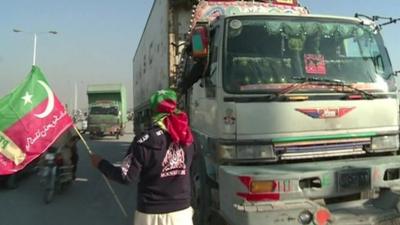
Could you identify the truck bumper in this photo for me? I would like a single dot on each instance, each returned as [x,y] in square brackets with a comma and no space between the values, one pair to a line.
[376,182]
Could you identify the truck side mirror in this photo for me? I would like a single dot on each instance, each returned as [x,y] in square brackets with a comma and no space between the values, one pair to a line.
[200,42]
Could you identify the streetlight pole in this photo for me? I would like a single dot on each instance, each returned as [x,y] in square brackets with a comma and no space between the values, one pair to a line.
[34,48]
[35,40]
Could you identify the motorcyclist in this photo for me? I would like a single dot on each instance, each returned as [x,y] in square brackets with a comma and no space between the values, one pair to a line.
[70,154]
[66,145]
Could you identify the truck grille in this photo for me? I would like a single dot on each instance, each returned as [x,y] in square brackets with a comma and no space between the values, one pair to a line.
[322,148]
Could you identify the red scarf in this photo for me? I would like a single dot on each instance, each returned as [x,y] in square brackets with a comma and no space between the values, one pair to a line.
[175,122]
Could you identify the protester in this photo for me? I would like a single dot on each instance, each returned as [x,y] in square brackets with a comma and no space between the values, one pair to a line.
[66,145]
[71,147]
[160,161]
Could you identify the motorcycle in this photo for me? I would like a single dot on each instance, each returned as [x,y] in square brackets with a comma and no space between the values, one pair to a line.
[56,174]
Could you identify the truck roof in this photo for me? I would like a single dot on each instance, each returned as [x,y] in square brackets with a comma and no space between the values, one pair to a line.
[323,16]
[105,88]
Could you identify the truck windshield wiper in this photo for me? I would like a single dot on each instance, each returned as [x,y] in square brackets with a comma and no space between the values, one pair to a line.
[322,81]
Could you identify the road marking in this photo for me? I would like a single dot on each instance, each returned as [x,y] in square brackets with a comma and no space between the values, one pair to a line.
[81,179]
[117,164]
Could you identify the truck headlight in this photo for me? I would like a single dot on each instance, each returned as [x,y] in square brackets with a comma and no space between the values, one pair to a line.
[245,152]
[385,143]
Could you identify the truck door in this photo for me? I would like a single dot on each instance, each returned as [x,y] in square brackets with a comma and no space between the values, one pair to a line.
[204,96]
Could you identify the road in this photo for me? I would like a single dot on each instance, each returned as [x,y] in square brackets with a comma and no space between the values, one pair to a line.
[83,203]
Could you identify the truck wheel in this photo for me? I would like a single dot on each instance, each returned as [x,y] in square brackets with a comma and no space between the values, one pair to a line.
[201,197]
[205,213]
[216,219]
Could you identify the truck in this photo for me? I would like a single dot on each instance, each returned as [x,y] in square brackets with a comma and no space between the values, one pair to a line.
[295,115]
[107,110]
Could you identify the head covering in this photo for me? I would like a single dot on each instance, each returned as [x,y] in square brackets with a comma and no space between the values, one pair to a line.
[169,118]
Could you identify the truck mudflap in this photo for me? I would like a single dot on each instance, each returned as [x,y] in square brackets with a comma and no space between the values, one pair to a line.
[362,191]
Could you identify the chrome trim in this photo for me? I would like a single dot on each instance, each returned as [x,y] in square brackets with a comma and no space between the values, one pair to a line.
[323,154]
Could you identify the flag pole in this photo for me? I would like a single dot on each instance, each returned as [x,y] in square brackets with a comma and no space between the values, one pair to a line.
[34,48]
[104,177]
[83,140]
[115,196]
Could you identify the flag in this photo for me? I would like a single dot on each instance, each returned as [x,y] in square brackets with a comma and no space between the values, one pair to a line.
[31,119]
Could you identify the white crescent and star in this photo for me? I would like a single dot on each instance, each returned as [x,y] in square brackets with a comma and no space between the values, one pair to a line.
[50,102]
[162,92]
[27,98]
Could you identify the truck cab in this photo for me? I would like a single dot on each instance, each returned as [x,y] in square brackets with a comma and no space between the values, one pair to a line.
[107,110]
[295,115]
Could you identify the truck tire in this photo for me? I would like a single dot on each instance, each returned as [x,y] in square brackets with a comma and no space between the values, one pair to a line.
[201,197]
[216,219]
[205,212]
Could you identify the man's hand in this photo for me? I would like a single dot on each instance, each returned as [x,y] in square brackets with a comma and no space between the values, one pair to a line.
[95,160]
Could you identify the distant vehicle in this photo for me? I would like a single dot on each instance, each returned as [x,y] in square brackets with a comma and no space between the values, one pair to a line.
[107,110]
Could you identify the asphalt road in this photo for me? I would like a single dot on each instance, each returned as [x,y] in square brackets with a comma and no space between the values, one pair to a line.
[85,202]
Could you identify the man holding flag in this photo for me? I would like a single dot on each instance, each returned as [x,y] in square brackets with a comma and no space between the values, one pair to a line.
[31,119]
[160,159]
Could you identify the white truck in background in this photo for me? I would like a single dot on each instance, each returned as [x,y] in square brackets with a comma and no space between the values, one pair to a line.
[295,115]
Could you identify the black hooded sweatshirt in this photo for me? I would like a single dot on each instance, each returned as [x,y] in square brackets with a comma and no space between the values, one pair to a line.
[162,169]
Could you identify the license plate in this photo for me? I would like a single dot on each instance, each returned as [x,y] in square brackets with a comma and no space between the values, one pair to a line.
[354,179]
[49,156]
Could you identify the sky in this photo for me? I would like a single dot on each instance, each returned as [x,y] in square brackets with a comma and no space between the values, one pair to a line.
[95,44]
[97,39]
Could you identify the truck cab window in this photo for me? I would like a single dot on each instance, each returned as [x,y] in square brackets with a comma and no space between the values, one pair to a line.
[284,48]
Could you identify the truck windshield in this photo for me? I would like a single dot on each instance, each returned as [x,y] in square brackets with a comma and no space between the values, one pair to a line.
[101,110]
[269,54]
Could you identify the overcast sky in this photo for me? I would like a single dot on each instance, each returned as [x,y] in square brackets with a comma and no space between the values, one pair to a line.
[97,39]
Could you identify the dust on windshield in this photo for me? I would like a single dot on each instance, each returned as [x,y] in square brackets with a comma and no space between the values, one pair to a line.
[264,54]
